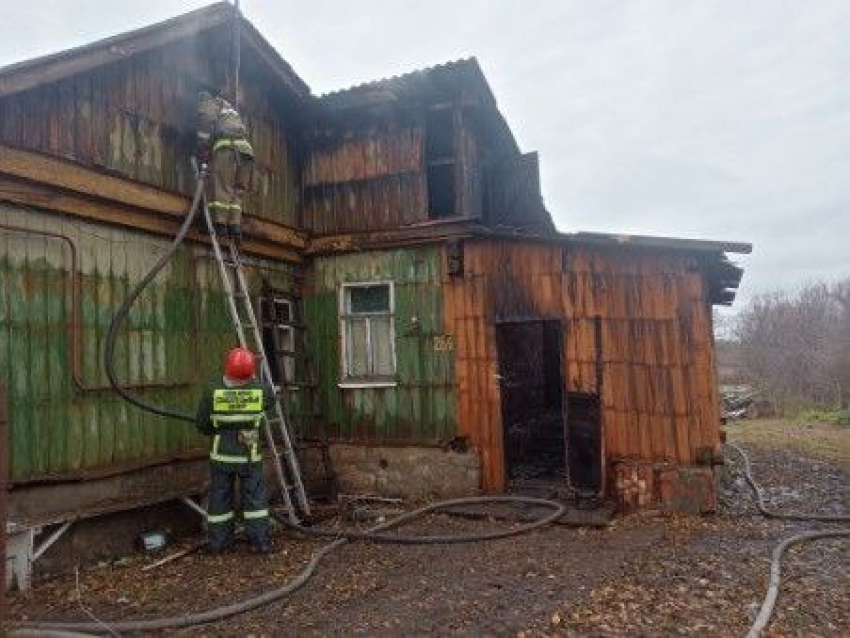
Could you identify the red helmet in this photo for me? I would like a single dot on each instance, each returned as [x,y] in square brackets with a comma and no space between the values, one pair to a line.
[239,365]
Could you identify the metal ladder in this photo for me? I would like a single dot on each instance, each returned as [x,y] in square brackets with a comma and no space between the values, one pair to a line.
[301,377]
[248,331]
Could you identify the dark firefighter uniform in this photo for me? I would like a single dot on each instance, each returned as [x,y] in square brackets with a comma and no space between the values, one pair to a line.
[222,141]
[232,415]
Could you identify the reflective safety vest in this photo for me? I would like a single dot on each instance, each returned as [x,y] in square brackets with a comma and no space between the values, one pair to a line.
[236,416]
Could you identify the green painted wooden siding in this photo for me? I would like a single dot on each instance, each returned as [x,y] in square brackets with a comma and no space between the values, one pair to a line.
[177,334]
[422,407]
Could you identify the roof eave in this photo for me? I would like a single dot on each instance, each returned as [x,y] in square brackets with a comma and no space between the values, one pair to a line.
[650,241]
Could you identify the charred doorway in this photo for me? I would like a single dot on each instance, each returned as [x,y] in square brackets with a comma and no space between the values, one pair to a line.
[584,444]
[532,390]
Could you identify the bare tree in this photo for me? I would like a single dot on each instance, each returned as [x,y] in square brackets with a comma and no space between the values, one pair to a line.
[797,348]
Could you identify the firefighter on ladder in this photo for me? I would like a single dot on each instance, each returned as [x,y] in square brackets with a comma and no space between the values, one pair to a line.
[223,145]
[231,412]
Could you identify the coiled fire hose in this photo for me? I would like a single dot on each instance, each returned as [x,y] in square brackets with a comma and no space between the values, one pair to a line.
[766,611]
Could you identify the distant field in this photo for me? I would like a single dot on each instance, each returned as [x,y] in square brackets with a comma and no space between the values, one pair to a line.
[824,440]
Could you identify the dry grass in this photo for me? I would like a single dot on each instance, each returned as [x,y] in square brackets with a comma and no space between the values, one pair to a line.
[823,440]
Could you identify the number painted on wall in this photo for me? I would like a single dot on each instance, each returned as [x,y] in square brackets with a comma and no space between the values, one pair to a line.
[444,343]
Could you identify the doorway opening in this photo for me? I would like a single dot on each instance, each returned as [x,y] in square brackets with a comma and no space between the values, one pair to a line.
[532,401]
[584,443]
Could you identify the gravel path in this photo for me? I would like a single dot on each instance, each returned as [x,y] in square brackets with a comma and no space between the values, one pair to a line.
[643,575]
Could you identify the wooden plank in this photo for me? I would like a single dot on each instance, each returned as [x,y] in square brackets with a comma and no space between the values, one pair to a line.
[29,194]
[58,173]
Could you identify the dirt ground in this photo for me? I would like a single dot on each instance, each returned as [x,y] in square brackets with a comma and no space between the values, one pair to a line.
[642,575]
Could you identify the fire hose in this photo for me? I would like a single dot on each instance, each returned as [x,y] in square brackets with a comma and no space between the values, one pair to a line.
[375,534]
[378,533]
[768,604]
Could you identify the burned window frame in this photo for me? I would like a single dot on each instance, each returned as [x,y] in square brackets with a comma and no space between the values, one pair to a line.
[282,366]
[346,321]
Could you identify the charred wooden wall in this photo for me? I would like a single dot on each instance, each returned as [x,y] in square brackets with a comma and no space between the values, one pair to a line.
[135,118]
[658,393]
[365,177]
[372,171]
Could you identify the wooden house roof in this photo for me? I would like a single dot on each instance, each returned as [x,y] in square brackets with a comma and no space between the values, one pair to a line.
[24,75]
[461,79]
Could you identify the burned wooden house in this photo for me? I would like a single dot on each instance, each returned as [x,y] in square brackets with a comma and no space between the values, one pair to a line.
[447,338]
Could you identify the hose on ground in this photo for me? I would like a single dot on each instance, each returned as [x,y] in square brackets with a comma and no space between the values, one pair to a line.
[121,314]
[220,613]
[558,510]
[766,611]
[769,513]
[775,581]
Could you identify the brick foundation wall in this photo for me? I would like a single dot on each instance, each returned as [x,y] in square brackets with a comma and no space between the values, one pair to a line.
[670,488]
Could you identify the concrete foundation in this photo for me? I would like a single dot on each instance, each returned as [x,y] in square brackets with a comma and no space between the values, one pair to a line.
[414,473]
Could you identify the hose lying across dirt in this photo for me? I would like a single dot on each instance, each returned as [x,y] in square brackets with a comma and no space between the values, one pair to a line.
[373,534]
[767,606]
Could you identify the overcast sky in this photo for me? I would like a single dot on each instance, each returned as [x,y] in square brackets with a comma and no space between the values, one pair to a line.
[706,119]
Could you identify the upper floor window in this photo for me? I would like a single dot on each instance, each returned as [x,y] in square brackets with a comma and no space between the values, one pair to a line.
[441,159]
[368,334]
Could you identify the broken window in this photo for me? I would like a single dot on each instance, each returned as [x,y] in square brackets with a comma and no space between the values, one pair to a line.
[277,318]
[441,159]
[368,338]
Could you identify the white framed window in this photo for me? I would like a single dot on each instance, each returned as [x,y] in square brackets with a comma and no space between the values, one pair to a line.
[366,312]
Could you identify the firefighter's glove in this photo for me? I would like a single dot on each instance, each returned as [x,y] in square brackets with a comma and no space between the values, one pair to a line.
[249,437]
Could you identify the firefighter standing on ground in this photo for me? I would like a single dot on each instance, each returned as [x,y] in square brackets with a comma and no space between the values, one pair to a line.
[223,144]
[231,411]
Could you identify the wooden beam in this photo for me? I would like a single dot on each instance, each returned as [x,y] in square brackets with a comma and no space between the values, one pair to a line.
[46,503]
[49,198]
[69,176]
[424,232]
[52,171]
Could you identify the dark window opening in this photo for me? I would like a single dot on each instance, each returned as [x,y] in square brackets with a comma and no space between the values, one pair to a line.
[440,135]
[440,157]
[441,190]
[278,334]
[584,442]
[532,401]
